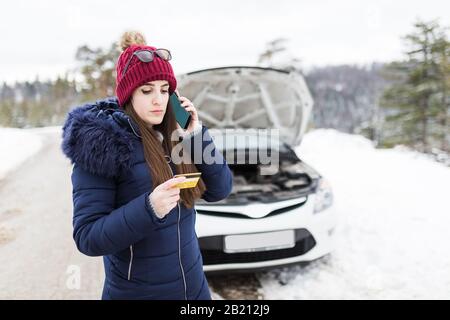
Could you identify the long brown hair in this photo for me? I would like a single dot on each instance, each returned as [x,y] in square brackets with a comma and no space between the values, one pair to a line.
[154,152]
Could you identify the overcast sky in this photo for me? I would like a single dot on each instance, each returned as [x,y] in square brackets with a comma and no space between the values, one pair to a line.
[41,37]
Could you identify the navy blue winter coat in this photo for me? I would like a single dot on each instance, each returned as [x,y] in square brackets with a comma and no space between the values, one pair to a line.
[144,257]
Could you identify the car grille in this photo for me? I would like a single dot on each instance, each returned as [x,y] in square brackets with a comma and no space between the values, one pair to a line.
[236,215]
[212,250]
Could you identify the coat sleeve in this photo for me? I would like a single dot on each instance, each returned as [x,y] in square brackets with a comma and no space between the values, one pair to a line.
[209,161]
[98,227]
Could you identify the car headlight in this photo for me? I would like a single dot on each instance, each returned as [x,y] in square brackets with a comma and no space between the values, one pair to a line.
[324,196]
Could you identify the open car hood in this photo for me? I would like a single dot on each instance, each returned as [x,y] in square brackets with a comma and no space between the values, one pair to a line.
[250,97]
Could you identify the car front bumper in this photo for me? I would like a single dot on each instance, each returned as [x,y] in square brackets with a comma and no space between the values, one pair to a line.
[314,234]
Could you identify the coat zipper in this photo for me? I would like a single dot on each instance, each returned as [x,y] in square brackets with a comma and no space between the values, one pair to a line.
[131,263]
[179,253]
[179,245]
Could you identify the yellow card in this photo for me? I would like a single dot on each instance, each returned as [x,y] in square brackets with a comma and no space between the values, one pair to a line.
[190,182]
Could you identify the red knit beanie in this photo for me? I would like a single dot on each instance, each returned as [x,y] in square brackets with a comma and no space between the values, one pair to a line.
[139,72]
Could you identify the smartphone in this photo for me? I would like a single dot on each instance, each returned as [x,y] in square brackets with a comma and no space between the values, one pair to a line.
[190,182]
[181,115]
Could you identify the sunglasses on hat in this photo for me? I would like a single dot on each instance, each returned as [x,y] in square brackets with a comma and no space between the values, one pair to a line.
[148,56]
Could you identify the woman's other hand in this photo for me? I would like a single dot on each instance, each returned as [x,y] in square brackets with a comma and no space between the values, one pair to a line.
[165,196]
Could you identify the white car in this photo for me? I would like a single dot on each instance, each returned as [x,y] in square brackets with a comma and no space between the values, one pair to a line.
[277,214]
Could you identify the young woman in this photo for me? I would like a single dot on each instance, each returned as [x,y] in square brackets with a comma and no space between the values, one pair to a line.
[127,207]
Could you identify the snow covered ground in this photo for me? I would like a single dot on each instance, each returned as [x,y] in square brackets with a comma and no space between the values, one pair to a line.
[393,239]
[16,145]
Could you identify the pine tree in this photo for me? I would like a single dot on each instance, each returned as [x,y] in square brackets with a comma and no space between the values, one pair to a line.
[416,100]
[442,110]
[98,71]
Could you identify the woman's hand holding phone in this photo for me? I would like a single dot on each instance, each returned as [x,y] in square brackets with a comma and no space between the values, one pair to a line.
[165,196]
[189,107]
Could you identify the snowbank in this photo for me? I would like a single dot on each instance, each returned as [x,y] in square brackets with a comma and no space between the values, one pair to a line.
[393,239]
[16,145]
